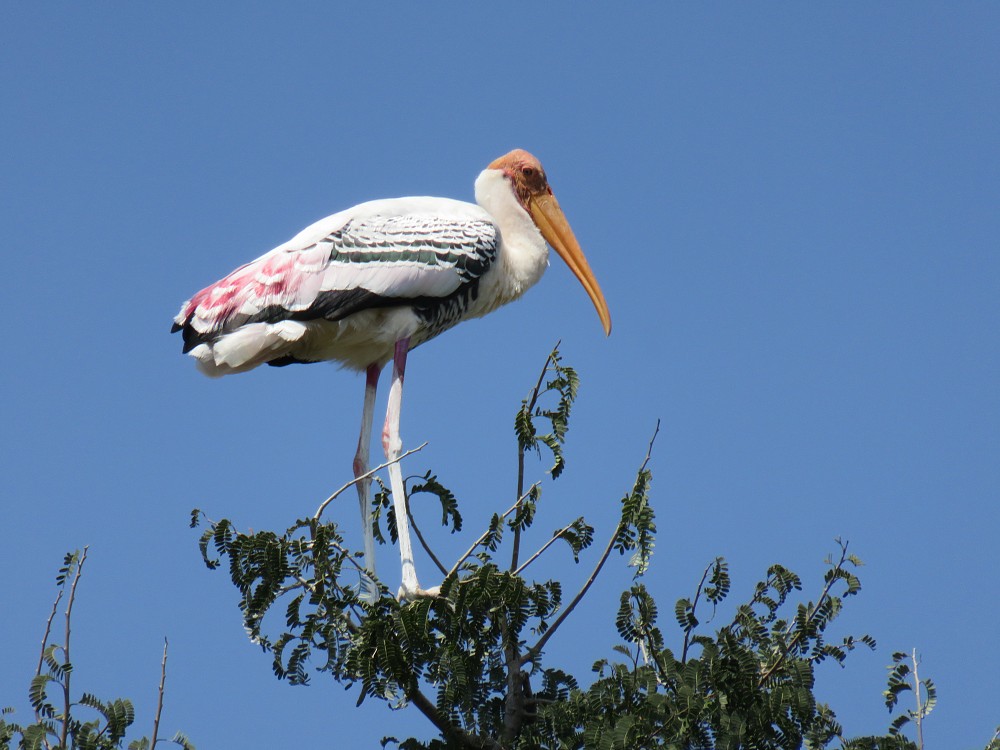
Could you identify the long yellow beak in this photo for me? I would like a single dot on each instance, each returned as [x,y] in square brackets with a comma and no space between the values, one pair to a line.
[552,223]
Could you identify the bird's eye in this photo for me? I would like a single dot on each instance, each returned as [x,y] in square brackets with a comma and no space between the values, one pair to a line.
[528,171]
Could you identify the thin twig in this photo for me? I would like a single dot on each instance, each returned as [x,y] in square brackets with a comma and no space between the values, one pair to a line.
[159,700]
[41,655]
[48,630]
[350,558]
[423,542]
[366,475]
[289,589]
[694,604]
[486,533]
[530,407]
[532,652]
[919,718]
[64,734]
[557,535]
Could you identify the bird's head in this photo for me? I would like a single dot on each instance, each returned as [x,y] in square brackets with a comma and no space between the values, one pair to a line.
[531,187]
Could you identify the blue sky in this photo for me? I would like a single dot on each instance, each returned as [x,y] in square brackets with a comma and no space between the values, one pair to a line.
[792,210]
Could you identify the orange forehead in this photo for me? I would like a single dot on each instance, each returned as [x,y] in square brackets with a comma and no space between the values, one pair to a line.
[516,159]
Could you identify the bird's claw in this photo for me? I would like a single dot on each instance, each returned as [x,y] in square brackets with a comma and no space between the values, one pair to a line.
[408,594]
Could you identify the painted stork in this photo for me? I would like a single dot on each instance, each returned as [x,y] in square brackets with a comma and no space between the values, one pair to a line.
[366,285]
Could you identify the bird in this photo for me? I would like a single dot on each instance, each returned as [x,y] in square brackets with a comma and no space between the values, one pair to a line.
[364,286]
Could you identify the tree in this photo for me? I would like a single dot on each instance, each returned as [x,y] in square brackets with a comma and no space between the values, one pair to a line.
[57,724]
[472,660]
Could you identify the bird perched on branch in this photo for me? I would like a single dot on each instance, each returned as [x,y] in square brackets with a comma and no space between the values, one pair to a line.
[366,285]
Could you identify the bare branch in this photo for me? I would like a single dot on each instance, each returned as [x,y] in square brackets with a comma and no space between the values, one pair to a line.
[48,630]
[919,716]
[159,700]
[486,533]
[532,652]
[366,475]
[556,536]
[423,542]
[64,733]
[41,655]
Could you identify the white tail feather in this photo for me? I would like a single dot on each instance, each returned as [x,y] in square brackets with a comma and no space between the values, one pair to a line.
[247,347]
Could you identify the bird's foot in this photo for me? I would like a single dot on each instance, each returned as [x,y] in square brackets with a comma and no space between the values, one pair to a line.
[414,592]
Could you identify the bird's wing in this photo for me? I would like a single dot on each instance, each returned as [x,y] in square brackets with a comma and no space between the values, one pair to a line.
[378,254]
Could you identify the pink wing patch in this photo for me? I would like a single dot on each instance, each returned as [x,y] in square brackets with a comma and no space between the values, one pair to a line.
[286,279]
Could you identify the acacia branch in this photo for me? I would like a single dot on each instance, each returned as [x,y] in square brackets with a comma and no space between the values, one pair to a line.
[812,613]
[366,475]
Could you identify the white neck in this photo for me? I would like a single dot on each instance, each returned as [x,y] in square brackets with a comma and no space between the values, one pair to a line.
[524,255]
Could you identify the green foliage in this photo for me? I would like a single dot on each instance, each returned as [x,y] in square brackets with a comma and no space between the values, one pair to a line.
[430,485]
[636,529]
[564,382]
[58,724]
[578,534]
[749,684]
[900,675]
[472,659]
[427,484]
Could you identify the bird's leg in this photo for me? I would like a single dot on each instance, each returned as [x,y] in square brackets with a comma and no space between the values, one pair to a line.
[393,445]
[368,591]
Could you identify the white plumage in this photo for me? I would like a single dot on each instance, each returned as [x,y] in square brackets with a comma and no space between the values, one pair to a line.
[366,285]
